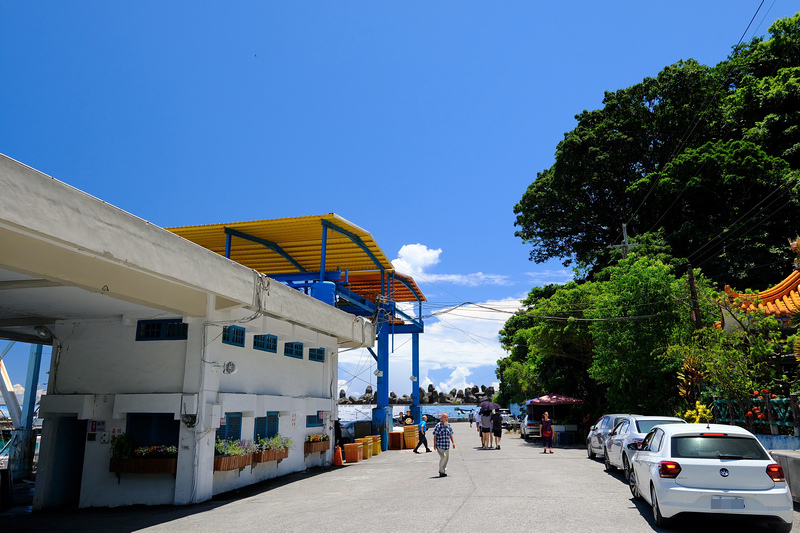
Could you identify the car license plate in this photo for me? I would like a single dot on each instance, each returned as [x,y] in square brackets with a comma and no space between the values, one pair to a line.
[727,502]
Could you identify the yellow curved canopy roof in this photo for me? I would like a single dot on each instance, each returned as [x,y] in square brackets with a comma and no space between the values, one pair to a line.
[272,242]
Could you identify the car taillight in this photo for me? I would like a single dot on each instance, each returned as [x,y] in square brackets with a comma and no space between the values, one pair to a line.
[775,472]
[669,469]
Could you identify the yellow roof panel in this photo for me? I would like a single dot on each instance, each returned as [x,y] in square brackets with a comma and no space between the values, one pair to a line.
[299,237]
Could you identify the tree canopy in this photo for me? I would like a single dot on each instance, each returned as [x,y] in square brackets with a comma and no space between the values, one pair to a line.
[703,166]
[708,155]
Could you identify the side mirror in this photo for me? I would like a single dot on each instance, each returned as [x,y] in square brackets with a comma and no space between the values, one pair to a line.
[633,446]
[593,428]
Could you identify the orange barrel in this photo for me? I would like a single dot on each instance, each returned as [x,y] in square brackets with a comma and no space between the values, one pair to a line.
[395,440]
[411,435]
[367,445]
[376,444]
[353,452]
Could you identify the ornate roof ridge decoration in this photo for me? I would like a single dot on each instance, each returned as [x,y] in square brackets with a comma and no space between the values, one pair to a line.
[780,301]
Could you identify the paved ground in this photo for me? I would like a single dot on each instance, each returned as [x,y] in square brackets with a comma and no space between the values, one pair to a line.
[515,487]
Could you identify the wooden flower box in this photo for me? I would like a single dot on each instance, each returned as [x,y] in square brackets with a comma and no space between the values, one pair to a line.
[314,447]
[281,454]
[232,462]
[265,456]
[145,465]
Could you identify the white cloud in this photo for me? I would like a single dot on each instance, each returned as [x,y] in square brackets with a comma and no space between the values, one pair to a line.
[19,391]
[458,340]
[415,259]
[547,277]
[458,380]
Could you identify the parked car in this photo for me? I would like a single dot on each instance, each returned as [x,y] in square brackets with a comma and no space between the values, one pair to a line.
[348,431]
[508,418]
[631,428]
[710,469]
[529,428]
[596,440]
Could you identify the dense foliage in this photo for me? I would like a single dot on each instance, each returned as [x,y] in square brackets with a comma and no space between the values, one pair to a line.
[703,165]
[707,155]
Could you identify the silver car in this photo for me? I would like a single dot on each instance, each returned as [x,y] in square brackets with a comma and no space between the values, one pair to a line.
[630,429]
[596,440]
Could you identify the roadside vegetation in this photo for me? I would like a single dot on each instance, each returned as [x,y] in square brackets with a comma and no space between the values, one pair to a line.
[702,165]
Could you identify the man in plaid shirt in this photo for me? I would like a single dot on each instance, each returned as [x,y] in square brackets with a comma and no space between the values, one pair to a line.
[442,437]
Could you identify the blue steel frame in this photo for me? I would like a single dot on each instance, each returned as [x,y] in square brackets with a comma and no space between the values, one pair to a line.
[385,313]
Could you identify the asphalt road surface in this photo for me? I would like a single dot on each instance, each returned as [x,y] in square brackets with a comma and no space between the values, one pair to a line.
[514,488]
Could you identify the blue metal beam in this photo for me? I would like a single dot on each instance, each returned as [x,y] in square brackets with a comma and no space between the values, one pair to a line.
[21,456]
[402,329]
[322,251]
[269,244]
[356,239]
[408,286]
[356,299]
[331,275]
[415,373]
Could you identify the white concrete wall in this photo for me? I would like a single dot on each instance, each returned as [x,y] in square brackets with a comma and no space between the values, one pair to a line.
[104,374]
[103,357]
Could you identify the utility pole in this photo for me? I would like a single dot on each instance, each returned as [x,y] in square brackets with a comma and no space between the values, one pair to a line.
[695,313]
[625,244]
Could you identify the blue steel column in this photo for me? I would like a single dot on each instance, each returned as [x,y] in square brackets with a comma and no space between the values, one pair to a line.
[322,253]
[415,410]
[382,414]
[21,458]
[228,245]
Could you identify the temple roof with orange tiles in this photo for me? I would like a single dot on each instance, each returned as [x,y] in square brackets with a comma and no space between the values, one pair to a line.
[780,301]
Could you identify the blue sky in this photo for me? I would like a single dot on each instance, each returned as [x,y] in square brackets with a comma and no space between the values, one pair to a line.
[422,122]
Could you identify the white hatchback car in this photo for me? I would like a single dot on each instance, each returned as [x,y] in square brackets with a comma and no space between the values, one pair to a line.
[709,469]
[632,428]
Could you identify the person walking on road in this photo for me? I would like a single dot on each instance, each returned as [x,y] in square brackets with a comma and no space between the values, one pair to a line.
[423,440]
[497,427]
[442,438]
[486,429]
[547,432]
[471,418]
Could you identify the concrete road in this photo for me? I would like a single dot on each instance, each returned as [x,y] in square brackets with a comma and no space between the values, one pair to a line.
[514,488]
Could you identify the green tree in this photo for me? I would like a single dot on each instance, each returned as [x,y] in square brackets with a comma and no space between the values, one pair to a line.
[705,155]
[639,312]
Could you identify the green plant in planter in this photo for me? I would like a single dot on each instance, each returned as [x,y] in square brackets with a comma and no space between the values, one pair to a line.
[228,447]
[122,448]
[274,443]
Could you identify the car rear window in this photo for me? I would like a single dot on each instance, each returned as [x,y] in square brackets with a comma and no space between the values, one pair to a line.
[644,426]
[717,447]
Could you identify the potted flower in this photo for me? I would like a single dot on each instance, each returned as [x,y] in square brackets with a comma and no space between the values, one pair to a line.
[127,457]
[282,445]
[272,449]
[317,442]
[230,454]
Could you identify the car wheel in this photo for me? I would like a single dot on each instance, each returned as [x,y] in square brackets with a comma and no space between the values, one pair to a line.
[589,450]
[609,466]
[660,520]
[632,485]
[626,467]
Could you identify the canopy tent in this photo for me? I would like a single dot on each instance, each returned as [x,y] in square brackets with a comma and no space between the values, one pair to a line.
[553,399]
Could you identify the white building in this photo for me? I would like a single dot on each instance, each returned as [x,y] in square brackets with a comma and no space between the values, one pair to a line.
[144,323]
